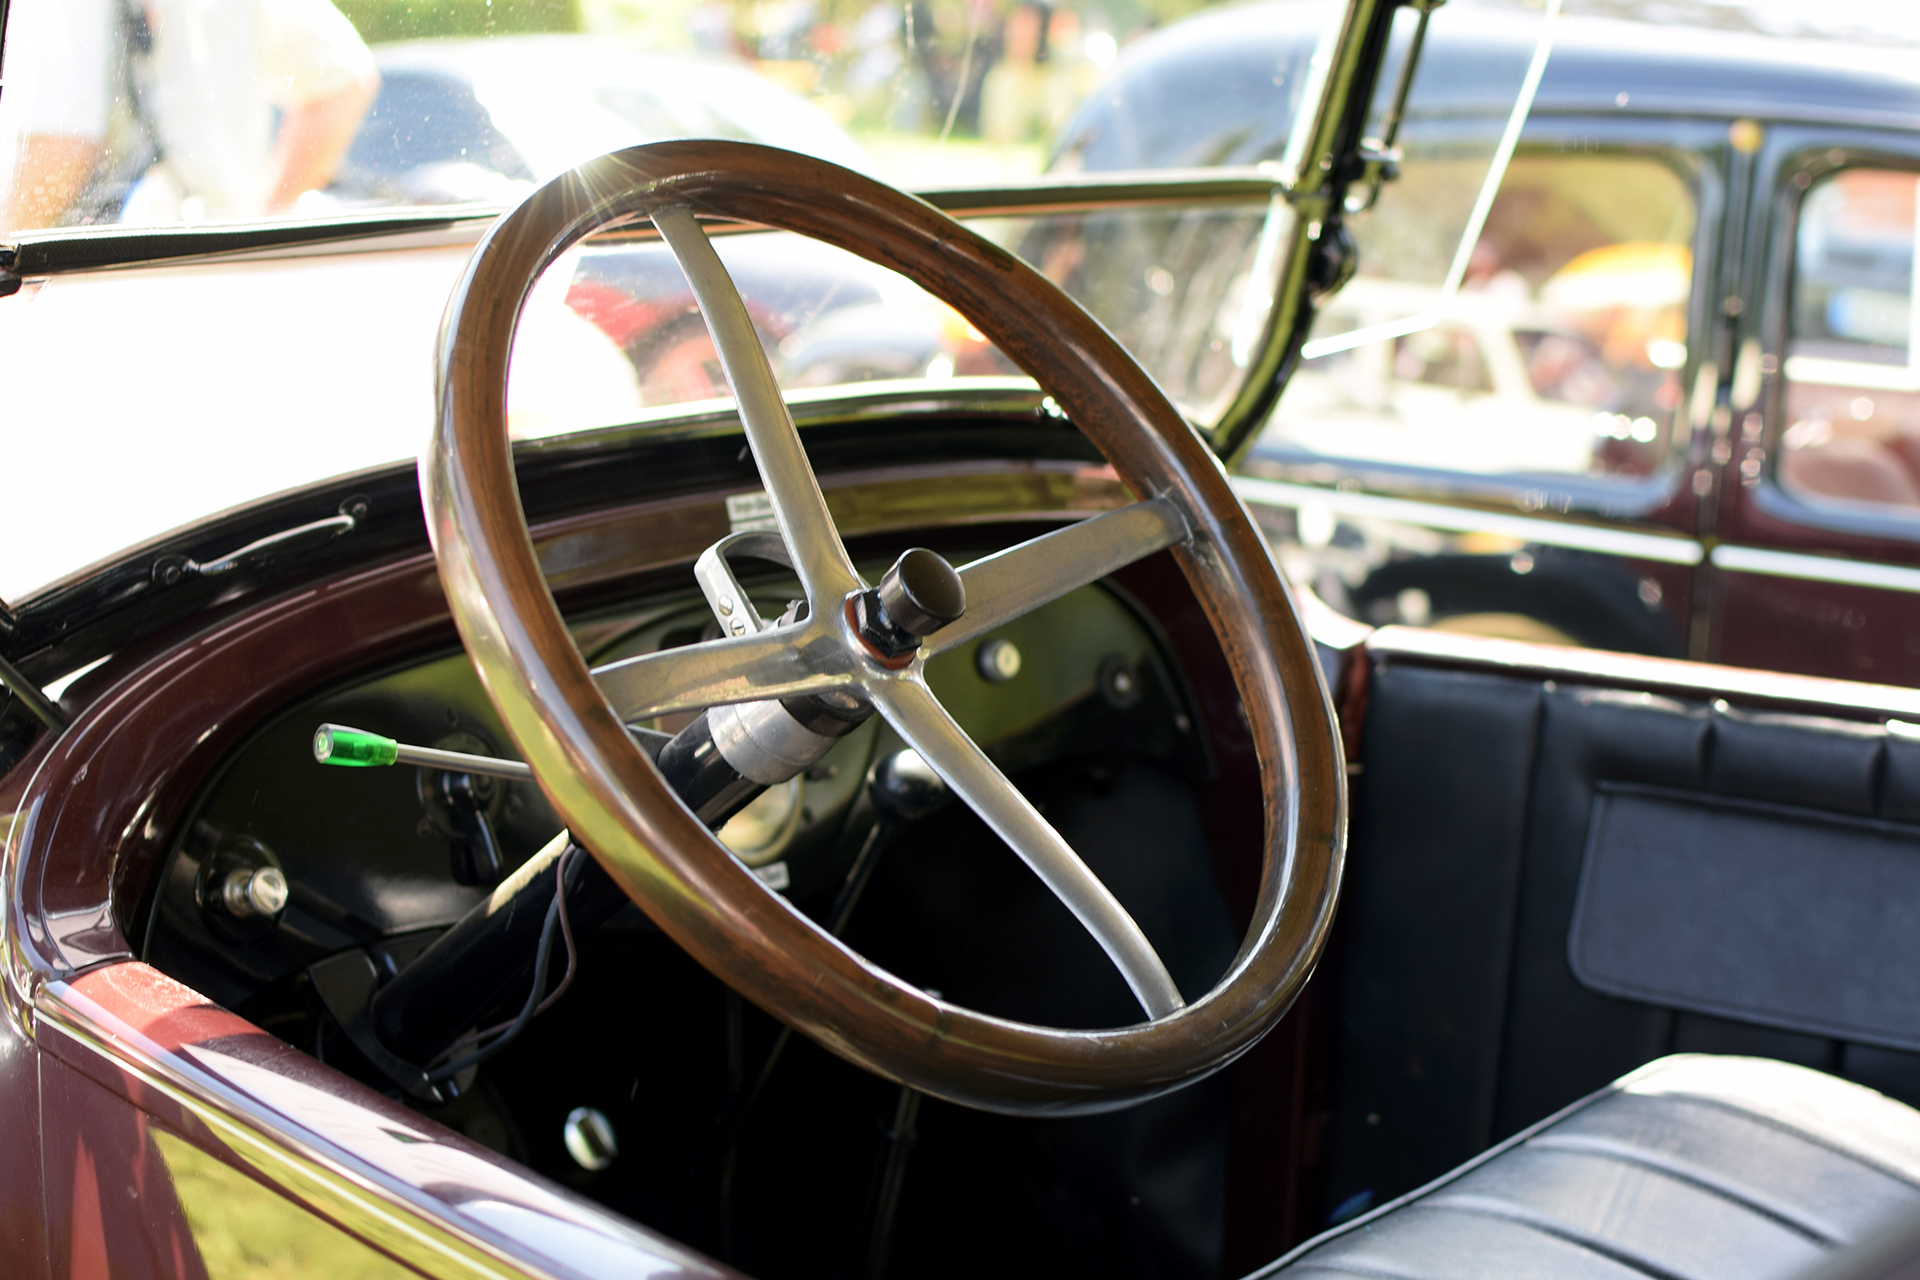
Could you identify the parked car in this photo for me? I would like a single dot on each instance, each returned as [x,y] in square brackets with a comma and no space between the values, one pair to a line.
[960,724]
[488,119]
[1737,210]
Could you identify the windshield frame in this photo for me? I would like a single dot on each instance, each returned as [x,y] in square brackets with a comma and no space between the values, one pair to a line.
[1306,192]
[44,629]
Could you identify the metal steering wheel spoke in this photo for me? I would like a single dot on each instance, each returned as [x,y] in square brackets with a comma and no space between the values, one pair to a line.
[917,715]
[819,557]
[779,662]
[1014,582]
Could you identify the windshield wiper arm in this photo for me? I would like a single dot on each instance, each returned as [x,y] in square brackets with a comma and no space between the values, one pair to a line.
[44,709]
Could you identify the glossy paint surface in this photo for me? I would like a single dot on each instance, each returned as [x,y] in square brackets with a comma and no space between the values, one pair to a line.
[164,1093]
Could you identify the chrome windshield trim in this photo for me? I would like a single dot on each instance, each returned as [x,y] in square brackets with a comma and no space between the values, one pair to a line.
[1118,188]
[1635,545]
[1787,564]
[815,405]
[71,249]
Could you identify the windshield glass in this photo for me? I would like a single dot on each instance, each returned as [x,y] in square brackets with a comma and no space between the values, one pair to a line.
[235,379]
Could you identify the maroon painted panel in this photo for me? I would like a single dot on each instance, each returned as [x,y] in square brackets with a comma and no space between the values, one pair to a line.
[127,1013]
[1817,628]
[22,1222]
[117,782]
[111,1210]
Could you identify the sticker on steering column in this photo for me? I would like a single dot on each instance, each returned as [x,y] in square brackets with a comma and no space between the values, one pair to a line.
[751,513]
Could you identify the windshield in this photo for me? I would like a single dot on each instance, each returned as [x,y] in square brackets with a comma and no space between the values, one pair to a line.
[230,380]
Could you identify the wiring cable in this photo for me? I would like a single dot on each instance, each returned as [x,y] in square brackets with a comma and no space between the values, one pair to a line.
[504,1033]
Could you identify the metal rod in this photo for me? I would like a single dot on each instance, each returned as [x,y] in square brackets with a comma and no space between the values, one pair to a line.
[44,709]
[461,762]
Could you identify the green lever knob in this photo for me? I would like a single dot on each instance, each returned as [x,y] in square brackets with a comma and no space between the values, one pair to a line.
[353,748]
[356,748]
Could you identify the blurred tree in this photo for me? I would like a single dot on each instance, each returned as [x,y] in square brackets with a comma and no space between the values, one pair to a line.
[379,20]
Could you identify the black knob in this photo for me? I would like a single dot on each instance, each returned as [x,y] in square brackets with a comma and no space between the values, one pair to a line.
[905,788]
[920,594]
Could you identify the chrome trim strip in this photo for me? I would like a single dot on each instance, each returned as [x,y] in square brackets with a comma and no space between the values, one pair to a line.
[1815,371]
[321,1181]
[1787,564]
[1664,548]
[996,393]
[67,249]
[1062,193]
[1637,671]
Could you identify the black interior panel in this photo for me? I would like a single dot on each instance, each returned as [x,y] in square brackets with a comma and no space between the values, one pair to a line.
[1462,1020]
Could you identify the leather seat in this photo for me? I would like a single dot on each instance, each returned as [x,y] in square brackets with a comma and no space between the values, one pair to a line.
[1692,1166]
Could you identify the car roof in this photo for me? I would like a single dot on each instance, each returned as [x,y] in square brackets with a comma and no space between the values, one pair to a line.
[1711,72]
[1217,87]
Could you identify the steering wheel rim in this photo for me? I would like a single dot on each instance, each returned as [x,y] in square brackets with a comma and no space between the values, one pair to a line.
[618,806]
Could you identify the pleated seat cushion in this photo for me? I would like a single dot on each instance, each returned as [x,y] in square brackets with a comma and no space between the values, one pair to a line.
[1694,1166]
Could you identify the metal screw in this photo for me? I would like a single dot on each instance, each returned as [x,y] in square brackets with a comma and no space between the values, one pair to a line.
[590,1139]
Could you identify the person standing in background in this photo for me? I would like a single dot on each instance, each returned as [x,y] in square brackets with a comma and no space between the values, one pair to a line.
[245,106]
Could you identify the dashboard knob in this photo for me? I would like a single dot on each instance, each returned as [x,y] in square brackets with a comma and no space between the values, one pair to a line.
[261,891]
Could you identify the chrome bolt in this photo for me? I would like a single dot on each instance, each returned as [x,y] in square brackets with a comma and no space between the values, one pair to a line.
[590,1139]
[262,892]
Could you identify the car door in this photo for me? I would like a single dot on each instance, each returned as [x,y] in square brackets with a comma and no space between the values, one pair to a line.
[1565,863]
[1816,458]
[1520,463]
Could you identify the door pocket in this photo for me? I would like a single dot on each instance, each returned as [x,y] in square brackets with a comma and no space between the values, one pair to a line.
[1782,916]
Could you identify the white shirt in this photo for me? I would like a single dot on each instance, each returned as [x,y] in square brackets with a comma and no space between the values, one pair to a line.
[217,72]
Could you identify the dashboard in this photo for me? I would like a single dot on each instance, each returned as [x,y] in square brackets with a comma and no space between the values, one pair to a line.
[386,860]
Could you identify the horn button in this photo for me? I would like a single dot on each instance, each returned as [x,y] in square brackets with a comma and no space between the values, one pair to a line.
[920,594]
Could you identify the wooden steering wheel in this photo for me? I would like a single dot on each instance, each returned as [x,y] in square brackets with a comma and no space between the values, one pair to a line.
[570,726]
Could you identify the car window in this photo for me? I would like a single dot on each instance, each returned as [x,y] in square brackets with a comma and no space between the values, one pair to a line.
[1852,397]
[201,111]
[1563,352]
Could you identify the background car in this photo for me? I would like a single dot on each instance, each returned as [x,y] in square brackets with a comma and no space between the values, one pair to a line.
[489,118]
[1725,199]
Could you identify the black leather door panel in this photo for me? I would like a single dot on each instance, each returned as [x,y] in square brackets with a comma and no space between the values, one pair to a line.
[1461,1020]
[1787,917]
